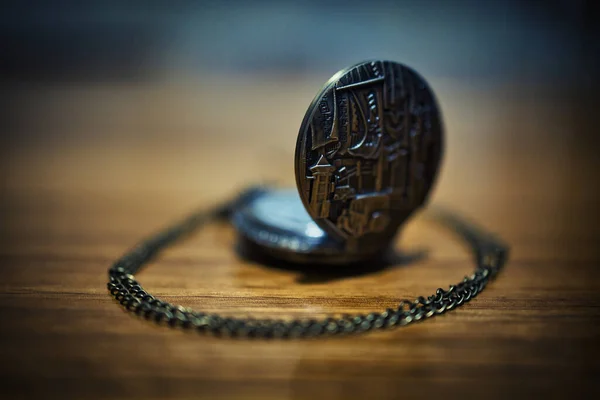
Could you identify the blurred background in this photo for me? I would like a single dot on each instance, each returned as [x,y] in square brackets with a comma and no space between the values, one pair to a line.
[149,40]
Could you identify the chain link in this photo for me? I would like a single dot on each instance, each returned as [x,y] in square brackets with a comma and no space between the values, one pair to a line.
[490,256]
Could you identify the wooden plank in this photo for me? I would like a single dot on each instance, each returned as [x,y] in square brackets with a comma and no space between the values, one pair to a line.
[90,171]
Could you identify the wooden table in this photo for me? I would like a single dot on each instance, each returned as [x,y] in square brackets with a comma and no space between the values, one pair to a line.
[88,170]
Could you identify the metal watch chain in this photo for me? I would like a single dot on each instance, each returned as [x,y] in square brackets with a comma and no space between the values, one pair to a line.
[490,256]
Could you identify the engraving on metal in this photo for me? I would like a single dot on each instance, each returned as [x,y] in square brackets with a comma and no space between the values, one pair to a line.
[368,152]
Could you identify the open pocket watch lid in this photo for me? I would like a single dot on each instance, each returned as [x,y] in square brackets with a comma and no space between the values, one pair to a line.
[368,152]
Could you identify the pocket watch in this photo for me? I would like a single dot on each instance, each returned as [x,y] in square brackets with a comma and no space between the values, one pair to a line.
[367,155]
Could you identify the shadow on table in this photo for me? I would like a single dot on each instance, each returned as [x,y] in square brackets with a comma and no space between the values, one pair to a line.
[312,272]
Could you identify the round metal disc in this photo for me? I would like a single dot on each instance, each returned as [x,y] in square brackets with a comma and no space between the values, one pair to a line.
[276,221]
[368,152]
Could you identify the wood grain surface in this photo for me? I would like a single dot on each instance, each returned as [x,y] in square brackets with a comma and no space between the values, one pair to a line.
[89,170]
